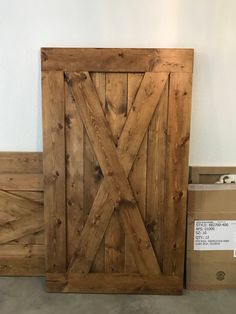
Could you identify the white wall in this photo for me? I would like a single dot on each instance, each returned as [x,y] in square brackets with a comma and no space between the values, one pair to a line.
[207,25]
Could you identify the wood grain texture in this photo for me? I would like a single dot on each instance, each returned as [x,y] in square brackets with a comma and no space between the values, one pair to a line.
[137,175]
[22,246]
[114,283]
[27,182]
[97,128]
[139,116]
[74,173]
[94,173]
[156,175]
[54,169]
[131,112]
[116,113]
[117,60]
[102,218]
[22,265]
[93,233]
[21,162]
[36,196]
[35,238]
[18,217]
[177,172]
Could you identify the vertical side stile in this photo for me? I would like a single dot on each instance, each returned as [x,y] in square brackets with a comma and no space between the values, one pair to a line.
[156,175]
[177,172]
[54,170]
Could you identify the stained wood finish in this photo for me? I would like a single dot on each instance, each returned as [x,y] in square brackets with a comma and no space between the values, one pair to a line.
[117,60]
[138,172]
[177,172]
[156,175]
[93,172]
[23,217]
[89,108]
[113,283]
[75,172]
[116,113]
[23,163]
[22,246]
[123,158]
[54,169]
[27,182]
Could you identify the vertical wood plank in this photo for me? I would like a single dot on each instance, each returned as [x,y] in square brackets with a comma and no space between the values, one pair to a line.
[116,114]
[156,175]
[177,172]
[119,188]
[137,176]
[54,170]
[116,102]
[134,81]
[74,172]
[94,174]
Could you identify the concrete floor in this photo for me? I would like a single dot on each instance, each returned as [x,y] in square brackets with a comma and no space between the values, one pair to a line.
[27,296]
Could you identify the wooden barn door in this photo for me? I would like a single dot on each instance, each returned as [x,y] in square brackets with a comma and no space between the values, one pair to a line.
[116,133]
[21,214]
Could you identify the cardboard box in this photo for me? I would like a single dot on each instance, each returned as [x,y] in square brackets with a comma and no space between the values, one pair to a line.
[208,175]
[210,269]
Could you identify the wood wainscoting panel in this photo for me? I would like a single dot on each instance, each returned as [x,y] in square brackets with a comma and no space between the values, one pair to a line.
[22,247]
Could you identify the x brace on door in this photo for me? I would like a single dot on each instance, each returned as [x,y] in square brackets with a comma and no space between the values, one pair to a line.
[115,162]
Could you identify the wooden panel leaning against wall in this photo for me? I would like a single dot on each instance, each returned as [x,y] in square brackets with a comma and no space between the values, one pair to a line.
[126,103]
[21,214]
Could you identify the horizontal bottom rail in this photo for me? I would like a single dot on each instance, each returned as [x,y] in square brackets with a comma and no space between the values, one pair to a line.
[114,283]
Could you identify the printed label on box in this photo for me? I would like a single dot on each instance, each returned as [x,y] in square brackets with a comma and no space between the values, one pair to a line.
[214,235]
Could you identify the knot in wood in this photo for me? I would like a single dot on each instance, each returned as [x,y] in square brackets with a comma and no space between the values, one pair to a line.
[3,267]
[68,120]
[96,219]
[184,140]
[60,126]
[67,79]
[178,195]
[55,176]
[147,244]
[98,173]
[82,76]
[59,222]
[44,56]
[69,202]
[125,204]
